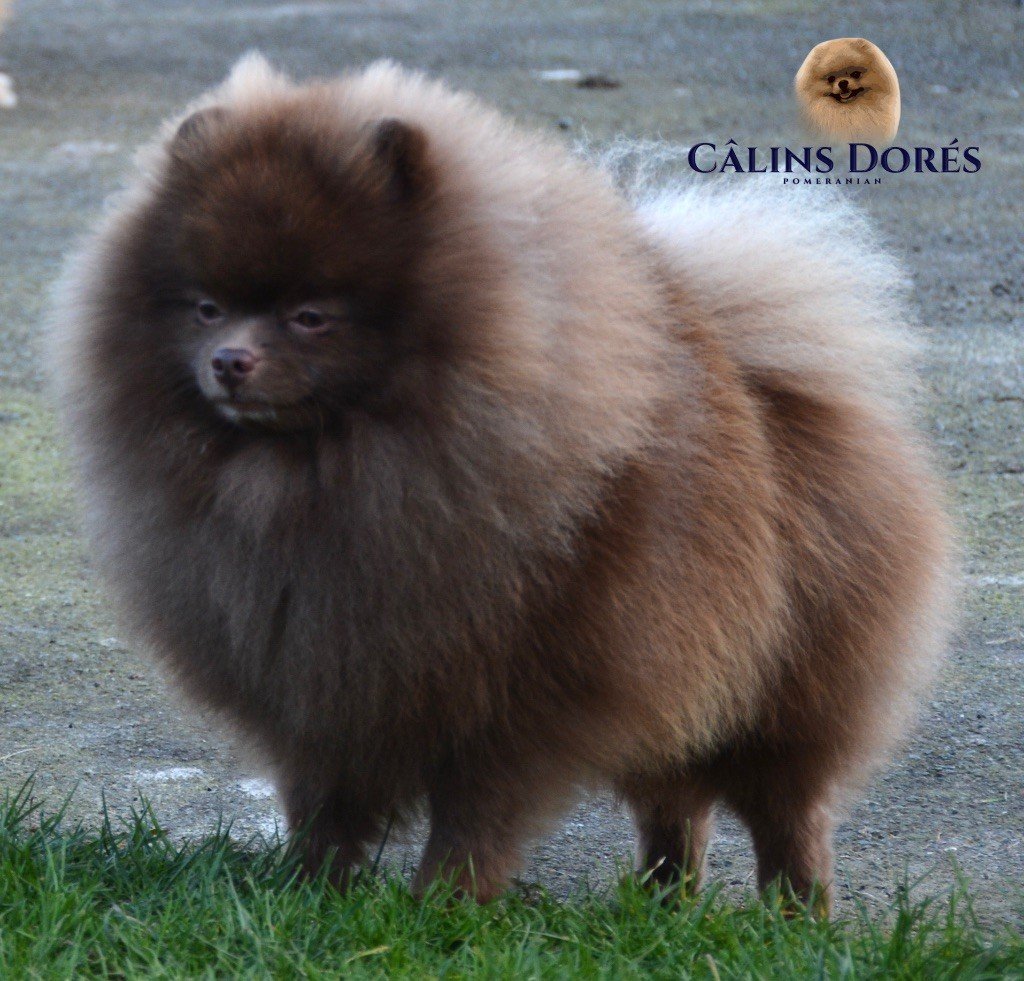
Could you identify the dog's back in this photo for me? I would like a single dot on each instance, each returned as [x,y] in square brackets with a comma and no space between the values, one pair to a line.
[810,308]
[806,308]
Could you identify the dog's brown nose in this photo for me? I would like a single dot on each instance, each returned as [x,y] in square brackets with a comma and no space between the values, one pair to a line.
[843,84]
[231,365]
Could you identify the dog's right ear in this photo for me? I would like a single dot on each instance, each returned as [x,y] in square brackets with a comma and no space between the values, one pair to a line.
[195,134]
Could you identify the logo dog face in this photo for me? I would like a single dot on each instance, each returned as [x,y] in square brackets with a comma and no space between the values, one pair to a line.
[845,83]
[848,89]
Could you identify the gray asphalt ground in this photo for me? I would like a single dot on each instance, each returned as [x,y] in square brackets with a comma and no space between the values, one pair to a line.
[80,710]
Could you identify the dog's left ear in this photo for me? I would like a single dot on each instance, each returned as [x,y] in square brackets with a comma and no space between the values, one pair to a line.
[399,158]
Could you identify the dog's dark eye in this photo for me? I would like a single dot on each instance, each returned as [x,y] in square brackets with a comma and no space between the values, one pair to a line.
[856,74]
[308,321]
[207,312]
[831,79]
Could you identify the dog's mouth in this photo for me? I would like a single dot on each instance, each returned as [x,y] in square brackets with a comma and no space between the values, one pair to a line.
[259,412]
[242,410]
[848,96]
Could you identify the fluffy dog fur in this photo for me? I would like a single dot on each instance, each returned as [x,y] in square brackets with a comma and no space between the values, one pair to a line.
[848,90]
[575,491]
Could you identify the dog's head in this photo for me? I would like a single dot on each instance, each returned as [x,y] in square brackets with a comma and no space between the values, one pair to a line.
[845,71]
[274,271]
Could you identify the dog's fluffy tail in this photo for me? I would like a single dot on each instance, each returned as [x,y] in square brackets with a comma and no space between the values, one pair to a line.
[795,282]
[792,285]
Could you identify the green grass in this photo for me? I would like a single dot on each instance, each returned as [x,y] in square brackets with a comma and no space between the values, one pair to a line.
[126,901]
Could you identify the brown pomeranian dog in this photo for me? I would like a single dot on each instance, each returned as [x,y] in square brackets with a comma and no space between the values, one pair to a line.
[449,475]
[848,90]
